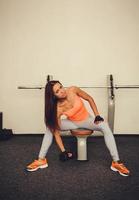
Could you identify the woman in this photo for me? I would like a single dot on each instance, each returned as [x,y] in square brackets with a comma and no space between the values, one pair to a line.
[60,101]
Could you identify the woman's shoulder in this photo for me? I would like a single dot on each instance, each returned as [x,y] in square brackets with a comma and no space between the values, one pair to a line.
[72,89]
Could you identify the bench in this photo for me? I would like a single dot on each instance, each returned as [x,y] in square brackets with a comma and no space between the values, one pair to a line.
[81,135]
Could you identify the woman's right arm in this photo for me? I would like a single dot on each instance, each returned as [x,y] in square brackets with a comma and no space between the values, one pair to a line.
[59,140]
[57,132]
[64,155]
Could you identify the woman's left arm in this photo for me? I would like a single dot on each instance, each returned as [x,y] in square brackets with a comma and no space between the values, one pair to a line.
[88,98]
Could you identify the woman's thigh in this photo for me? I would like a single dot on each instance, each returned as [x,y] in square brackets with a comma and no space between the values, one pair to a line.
[66,124]
[89,124]
[86,124]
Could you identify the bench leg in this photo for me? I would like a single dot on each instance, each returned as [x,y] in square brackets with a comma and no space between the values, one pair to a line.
[82,148]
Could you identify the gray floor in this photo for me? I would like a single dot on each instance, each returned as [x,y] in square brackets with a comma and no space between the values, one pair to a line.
[71,180]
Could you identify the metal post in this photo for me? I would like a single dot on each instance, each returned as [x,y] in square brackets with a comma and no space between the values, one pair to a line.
[49,78]
[111,102]
[1,120]
[82,147]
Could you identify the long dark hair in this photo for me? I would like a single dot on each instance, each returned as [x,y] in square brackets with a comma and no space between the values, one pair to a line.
[51,100]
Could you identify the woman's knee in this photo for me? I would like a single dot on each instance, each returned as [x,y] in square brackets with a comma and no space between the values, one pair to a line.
[103,126]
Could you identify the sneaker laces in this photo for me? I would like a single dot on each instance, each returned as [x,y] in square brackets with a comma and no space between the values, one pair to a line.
[123,167]
[34,163]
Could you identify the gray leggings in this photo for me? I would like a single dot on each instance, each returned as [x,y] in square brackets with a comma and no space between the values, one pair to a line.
[86,124]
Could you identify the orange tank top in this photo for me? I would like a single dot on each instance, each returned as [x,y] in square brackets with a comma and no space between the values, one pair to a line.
[78,112]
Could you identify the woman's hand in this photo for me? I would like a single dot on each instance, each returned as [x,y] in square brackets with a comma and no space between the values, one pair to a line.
[66,155]
[98,119]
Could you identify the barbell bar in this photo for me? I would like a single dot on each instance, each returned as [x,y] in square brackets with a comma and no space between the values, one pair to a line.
[107,87]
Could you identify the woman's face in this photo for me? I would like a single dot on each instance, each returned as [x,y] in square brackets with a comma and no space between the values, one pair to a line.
[59,91]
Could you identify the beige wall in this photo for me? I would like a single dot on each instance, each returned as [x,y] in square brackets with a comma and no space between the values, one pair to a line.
[79,42]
